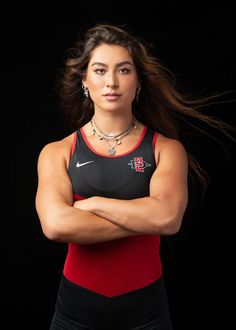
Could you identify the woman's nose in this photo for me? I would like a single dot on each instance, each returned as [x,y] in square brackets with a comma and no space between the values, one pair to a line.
[112,80]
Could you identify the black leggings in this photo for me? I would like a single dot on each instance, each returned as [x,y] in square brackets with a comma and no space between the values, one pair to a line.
[144,309]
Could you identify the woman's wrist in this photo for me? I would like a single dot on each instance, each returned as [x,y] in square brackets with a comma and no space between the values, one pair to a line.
[94,203]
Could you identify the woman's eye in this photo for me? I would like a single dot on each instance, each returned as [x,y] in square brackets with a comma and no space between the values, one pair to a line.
[99,71]
[102,71]
[124,70]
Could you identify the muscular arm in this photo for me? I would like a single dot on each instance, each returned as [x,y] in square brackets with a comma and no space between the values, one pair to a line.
[61,221]
[163,210]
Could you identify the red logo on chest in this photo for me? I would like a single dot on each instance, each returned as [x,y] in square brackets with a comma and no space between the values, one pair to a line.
[138,164]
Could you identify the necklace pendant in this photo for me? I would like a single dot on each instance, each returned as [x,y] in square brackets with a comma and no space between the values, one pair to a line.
[112,151]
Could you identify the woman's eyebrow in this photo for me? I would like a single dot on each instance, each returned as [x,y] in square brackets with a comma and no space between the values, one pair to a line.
[117,65]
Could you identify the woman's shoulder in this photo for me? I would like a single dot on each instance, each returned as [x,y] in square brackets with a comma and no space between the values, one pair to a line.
[58,148]
[162,139]
[170,151]
[166,144]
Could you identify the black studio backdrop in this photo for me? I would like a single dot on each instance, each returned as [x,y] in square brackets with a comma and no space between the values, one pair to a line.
[196,42]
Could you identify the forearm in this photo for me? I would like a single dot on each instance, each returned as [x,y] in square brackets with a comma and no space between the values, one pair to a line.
[65,223]
[146,215]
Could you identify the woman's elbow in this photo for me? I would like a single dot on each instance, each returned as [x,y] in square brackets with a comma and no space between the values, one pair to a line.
[172,223]
[174,218]
[53,224]
[52,228]
[172,226]
[51,231]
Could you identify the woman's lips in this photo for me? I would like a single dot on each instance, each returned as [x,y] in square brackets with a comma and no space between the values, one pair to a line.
[111,97]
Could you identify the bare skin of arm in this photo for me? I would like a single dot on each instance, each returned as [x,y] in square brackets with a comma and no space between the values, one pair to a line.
[60,220]
[162,212]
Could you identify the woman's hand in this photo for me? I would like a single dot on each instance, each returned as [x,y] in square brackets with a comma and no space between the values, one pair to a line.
[85,204]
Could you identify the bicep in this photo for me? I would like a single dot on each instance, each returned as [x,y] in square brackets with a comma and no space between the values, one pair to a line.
[170,179]
[54,185]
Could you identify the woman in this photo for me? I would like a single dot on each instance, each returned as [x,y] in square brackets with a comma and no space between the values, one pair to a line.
[116,184]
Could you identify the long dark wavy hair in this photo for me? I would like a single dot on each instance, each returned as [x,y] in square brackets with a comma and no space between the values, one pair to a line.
[161,106]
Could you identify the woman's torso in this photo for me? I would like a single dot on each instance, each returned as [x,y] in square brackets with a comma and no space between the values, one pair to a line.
[123,265]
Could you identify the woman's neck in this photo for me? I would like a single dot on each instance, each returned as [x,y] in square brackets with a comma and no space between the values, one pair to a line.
[113,123]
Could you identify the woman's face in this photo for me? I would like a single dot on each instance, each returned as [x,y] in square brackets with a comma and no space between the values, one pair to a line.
[111,78]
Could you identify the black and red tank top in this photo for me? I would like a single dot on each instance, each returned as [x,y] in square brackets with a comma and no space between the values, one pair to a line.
[118,266]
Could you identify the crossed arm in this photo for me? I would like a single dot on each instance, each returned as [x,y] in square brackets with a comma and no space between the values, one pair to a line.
[99,219]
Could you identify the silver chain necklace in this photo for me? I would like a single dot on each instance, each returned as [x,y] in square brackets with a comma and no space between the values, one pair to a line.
[112,138]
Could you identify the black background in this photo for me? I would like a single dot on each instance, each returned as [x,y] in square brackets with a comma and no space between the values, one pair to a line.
[196,41]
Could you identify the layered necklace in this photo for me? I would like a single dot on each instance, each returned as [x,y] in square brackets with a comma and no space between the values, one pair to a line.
[113,140]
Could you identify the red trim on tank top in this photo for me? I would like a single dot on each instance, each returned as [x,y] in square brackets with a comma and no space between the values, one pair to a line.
[78,197]
[73,144]
[115,156]
[154,140]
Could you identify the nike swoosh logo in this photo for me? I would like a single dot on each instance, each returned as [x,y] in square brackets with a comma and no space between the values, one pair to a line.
[82,164]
